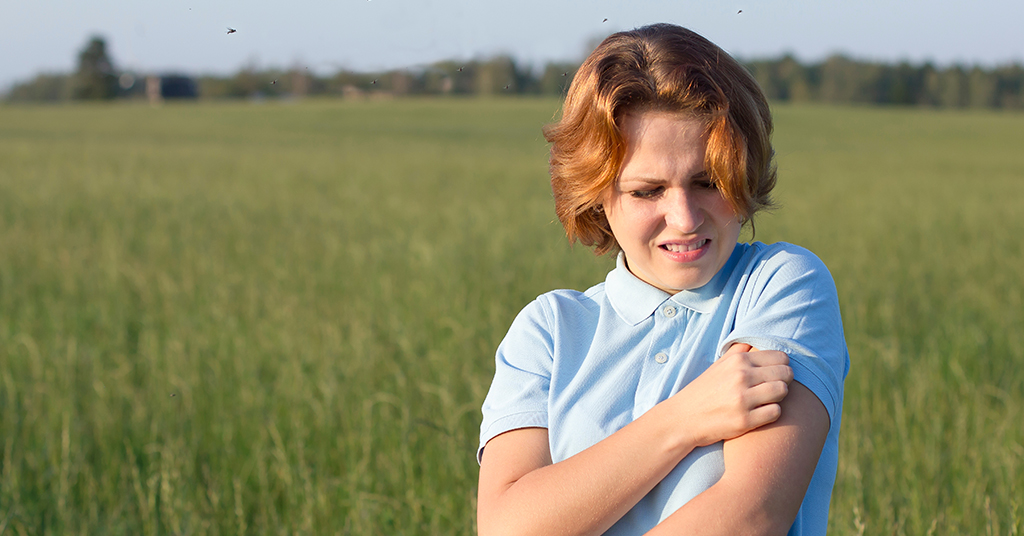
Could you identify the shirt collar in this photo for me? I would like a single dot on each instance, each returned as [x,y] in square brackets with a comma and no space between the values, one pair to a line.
[635,300]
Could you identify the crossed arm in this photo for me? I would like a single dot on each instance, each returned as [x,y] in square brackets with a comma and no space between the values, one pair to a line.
[773,428]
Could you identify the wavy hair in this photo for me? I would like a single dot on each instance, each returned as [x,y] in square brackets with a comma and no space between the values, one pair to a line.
[665,68]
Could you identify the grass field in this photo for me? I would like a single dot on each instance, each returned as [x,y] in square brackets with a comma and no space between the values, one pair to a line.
[281,318]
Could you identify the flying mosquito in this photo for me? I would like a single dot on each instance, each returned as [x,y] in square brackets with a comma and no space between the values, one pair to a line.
[231,30]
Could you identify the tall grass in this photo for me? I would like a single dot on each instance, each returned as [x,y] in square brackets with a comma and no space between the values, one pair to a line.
[234,318]
[918,215]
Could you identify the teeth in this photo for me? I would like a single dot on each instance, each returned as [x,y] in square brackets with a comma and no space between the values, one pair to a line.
[679,248]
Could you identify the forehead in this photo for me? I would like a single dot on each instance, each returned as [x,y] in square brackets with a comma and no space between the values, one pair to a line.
[663,143]
[639,127]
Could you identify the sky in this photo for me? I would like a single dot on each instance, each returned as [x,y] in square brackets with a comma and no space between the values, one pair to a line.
[191,36]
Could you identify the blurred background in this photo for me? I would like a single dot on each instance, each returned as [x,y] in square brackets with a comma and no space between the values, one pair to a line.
[949,54]
[255,259]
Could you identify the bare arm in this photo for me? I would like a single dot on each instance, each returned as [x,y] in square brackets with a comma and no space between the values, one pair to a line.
[522,492]
[767,472]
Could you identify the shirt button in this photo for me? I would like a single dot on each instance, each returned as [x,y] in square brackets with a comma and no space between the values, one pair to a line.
[661,358]
[670,311]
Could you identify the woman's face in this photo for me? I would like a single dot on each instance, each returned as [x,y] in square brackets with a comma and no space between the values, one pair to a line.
[675,228]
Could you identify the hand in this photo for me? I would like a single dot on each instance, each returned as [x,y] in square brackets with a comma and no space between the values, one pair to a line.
[738,393]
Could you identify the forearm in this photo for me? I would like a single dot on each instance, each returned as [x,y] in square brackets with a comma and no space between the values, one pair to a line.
[522,492]
[588,492]
[722,510]
[767,472]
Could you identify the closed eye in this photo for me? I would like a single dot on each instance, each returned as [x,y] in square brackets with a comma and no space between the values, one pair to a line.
[704,181]
[647,194]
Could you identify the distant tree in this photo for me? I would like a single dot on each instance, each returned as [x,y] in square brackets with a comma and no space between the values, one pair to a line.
[42,88]
[249,82]
[981,88]
[952,87]
[298,81]
[838,80]
[785,79]
[931,86]
[1009,86]
[214,87]
[95,77]
[901,84]
[451,77]
[557,77]
[501,75]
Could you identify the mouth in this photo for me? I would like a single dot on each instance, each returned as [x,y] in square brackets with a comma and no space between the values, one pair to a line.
[684,248]
[686,252]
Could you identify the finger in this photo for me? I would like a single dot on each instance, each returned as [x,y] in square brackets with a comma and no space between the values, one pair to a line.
[765,414]
[754,377]
[772,373]
[767,358]
[766,393]
[737,347]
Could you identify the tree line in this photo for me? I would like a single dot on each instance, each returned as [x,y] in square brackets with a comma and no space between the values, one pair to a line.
[835,80]
[840,79]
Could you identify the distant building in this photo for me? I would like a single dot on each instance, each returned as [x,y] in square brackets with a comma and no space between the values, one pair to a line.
[178,87]
[171,86]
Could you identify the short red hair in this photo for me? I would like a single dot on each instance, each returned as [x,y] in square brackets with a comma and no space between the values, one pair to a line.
[661,67]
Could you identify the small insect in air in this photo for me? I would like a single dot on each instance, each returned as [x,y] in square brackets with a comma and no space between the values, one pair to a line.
[605,20]
[460,69]
[174,395]
[274,82]
[563,74]
[506,86]
[740,11]
[374,81]
[231,30]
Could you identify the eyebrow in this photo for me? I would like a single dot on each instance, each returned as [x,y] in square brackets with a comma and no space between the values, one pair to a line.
[658,180]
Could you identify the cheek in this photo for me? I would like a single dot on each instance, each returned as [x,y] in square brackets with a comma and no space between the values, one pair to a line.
[632,218]
[721,209]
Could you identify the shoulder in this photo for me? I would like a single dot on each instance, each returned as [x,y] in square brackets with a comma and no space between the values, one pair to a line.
[781,256]
[558,305]
[787,301]
[782,265]
[558,311]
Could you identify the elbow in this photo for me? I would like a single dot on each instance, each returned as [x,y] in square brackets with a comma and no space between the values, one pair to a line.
[762,522]
[497,529]
[493,524]
[487,528]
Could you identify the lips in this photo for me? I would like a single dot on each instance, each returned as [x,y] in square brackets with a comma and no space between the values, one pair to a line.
[684,248]
[686,252]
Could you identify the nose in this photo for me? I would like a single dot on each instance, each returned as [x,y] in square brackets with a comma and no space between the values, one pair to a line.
[683,211]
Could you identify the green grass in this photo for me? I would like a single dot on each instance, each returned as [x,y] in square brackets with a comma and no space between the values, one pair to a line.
[237,318]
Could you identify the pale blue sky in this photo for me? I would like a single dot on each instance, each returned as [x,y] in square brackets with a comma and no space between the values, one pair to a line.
[190,36]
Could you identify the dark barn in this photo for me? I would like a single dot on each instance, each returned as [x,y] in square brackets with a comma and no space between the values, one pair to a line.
[178,87]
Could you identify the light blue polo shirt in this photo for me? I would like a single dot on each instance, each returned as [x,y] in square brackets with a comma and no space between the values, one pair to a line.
[585,364]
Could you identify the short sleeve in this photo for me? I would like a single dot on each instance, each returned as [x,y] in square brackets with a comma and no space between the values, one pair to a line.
[518,397]
[790,304]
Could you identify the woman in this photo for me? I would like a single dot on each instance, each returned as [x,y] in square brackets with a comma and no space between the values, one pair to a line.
[699,388]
